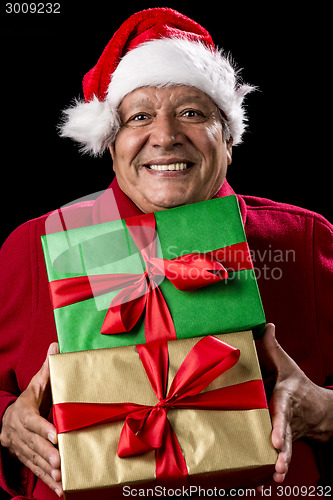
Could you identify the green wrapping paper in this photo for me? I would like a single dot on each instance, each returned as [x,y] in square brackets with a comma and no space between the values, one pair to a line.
[229,305]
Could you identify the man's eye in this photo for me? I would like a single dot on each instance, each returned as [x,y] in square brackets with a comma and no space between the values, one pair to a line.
[139,117]
[138,120]
[192,113]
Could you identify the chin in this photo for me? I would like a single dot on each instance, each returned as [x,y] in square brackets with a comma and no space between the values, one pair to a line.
[165,204]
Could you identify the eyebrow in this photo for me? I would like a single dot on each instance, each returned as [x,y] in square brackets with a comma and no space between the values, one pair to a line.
[136,106]
[141,102]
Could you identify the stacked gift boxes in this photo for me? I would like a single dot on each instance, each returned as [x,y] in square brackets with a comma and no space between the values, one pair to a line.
[179,276]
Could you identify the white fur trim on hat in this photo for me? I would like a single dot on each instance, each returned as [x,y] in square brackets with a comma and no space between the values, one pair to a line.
[161,62]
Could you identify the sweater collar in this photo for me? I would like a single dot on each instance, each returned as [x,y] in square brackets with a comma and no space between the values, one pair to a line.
[113,204]
[226,190]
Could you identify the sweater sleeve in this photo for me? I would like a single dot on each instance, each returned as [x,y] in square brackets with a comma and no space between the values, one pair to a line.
[15,314]
[323,283]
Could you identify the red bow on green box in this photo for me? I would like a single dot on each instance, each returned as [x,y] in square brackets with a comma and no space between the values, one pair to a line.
[141,291]
[147,428]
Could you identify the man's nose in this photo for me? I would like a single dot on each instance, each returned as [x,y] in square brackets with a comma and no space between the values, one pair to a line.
[166,132]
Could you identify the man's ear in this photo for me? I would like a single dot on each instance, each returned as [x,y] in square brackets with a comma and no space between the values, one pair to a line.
[229,150]
[112,151]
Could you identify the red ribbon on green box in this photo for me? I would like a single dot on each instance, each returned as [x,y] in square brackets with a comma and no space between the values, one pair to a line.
[147,428]
[141,291]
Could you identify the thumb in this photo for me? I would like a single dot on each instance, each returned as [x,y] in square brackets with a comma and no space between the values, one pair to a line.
[40,382]
[269,343]
[45,369]
[53,349]
[267,346]
[272,355]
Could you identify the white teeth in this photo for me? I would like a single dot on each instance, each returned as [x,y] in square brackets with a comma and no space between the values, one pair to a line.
[172,166]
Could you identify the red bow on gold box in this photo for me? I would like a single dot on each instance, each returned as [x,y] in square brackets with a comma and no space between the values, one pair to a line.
[147,424]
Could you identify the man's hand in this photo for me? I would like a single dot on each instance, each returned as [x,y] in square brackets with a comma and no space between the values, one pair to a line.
[30,437]
[299,408]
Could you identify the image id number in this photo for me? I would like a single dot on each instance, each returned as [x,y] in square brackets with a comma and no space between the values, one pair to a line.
[304,491]
[32,8]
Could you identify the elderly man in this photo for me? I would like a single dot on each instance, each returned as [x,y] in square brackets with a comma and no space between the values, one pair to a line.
[168,106]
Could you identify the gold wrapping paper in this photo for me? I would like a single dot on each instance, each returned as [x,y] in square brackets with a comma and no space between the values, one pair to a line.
[211,441]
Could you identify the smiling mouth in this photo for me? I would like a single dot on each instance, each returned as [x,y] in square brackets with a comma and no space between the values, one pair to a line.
[172,167]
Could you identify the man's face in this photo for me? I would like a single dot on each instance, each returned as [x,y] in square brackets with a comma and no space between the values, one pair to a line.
[169,150]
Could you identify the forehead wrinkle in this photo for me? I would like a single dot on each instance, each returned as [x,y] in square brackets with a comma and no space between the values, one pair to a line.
[189,94]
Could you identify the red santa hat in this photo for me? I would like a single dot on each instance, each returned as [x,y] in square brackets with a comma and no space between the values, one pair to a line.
[155,47]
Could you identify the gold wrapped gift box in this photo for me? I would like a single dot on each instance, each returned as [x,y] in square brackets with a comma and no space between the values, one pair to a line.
[229,448]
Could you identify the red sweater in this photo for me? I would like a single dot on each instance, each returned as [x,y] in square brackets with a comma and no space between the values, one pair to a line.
[293,256]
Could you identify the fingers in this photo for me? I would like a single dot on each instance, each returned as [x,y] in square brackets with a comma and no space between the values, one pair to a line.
[33,423]
[284,458]
[40,435]
[281,413]
[44,461]
[29,436]
[296,404]
[282,442]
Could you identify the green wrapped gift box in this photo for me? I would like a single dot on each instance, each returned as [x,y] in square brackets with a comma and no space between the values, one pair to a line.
[119,263]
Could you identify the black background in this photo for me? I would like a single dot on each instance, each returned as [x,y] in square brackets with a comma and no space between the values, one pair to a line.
[285,52]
